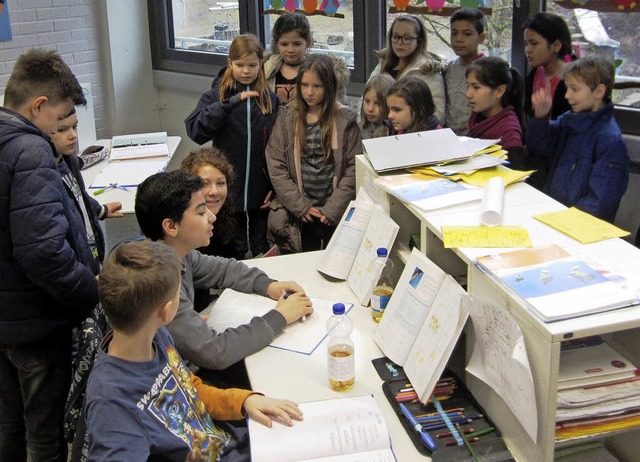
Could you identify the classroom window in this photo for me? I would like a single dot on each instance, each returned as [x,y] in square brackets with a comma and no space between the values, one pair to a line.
[498,26]
[331,35]
[190,35]
[611,35]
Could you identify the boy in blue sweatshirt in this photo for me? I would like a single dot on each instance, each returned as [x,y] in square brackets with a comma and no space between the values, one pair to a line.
[590,164]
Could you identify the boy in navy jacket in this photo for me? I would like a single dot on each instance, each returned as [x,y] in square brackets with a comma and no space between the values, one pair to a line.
[47,270]
[590,165]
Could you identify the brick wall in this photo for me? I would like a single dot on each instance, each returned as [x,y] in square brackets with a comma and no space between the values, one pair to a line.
[70,27]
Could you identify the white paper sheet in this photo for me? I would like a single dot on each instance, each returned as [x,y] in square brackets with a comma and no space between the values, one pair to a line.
[493,202]
[233,309]
[500,360]
[128,173]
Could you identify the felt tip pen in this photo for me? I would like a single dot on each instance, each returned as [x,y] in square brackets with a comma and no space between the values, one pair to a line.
[426,438]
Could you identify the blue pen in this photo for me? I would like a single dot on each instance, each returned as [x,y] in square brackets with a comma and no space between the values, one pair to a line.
[426,438]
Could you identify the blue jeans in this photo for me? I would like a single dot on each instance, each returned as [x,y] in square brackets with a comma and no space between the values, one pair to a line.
[34,382]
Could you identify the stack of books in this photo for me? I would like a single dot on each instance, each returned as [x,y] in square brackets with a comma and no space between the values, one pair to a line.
[598,390]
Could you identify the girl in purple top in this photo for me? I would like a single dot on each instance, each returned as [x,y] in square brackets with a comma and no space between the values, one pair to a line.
[495,95]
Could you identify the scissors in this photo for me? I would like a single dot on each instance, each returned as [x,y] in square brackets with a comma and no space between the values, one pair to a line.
[111,186]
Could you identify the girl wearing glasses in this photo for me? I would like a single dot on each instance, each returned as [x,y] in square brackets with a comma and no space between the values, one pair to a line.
[406,55]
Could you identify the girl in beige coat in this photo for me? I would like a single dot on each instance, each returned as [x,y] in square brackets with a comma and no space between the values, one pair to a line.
[311,161]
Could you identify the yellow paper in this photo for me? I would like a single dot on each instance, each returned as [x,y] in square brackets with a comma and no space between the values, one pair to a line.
[481,177]
[426,171]
[581,226]
[485,236]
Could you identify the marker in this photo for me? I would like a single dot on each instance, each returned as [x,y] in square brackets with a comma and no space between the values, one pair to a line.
[426,438]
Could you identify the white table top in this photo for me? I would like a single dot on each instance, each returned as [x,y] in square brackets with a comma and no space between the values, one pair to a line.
[126,197]
[284,374]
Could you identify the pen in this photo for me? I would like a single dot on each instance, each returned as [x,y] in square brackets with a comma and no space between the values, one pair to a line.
[285,296]
[426,438]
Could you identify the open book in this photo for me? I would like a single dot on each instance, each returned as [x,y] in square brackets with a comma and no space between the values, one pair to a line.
[350,254]
[422,322]
[557,285]
[233,309]
[335,430]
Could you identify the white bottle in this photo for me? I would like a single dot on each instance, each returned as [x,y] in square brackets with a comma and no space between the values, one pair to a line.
[382,289]
[340,354]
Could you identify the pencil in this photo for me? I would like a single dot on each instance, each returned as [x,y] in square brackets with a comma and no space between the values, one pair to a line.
[484,431]
[474,456]
[455,443]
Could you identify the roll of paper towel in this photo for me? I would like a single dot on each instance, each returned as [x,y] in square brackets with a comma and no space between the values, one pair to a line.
[492,202]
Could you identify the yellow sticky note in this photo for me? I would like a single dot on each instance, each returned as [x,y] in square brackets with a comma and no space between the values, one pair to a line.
[485,236]
[581,226]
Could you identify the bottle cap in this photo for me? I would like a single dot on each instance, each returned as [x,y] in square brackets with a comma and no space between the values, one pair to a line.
[382,251]
[338,308]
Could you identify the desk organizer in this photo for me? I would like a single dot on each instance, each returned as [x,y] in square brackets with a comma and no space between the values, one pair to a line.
[471,418]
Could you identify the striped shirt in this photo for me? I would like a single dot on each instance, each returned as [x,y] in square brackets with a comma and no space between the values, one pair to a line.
[317,171]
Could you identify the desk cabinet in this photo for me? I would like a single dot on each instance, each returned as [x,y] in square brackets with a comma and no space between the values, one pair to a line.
[543,340]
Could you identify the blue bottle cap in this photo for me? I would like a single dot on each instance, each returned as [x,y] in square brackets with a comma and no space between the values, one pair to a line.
[338,308]
[382,251]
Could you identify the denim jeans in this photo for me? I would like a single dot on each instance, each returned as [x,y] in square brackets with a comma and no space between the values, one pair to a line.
[34,382]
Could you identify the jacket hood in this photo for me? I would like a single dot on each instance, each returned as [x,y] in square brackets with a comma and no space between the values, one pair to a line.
[430,63]
[13,124]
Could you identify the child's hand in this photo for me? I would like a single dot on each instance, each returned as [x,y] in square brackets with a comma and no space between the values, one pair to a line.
[248,94]
[542,101]
[294,306]
[311,214]
[113,210]
[275,288]
[262,409]
[267,201]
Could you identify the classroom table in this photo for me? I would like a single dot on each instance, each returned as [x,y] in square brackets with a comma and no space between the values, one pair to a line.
[284,374]
[118,229]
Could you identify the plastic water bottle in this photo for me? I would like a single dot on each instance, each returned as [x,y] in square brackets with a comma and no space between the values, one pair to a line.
[383,289]
[340,352]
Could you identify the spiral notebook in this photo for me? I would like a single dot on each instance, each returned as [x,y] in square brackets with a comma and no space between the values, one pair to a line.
[414,149]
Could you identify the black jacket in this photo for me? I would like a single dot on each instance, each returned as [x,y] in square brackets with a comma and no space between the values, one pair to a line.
[225,123]
[47,277]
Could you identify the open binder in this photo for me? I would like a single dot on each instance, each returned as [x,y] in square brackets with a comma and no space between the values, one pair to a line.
[414,149]
[139,146]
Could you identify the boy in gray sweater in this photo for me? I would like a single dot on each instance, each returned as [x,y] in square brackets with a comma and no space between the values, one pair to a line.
[171,207]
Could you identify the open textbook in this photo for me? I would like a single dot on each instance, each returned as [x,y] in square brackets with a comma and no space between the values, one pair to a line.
[233,309]
[350,254]
[557,285]
[334,430]
[422,322]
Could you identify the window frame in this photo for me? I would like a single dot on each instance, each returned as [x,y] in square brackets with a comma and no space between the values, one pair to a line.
[166,58]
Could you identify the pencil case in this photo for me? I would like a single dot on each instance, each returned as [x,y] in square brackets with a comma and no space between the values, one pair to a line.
[463,409]
[92,155]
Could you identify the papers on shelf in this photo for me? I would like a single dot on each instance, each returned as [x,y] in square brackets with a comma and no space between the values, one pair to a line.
[411,149]
[233,309]
[128,174]
[428,193]
[500,360]
[581,226]
[485,236]
[470,165]
[593,362]
[139,146]
[555,284]
[337,430]
[422,322]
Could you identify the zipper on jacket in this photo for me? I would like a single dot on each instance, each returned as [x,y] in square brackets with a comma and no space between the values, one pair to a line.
[246,176]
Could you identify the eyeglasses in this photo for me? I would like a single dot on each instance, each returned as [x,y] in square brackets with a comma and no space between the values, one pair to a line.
[405,39]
